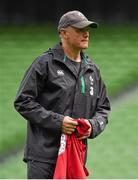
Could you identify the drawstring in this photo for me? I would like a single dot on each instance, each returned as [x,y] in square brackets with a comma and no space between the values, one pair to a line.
[83,85]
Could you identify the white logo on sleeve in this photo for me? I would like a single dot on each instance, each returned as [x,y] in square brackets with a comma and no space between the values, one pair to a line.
[91,86]
[102,125]
[60,72]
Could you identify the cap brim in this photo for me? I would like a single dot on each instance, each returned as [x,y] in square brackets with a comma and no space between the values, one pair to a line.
[84,24]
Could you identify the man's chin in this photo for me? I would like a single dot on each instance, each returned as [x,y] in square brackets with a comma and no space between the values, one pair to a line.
[84,47]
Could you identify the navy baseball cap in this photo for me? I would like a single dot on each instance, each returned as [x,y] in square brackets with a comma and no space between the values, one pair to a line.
[75,19]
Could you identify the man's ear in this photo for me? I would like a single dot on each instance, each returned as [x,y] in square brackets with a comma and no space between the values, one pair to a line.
[63,34]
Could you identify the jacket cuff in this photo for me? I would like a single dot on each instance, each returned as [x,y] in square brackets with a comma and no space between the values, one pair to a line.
[94,127]
[59,121]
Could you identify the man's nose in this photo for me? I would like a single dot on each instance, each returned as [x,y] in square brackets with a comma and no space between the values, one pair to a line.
[86,34]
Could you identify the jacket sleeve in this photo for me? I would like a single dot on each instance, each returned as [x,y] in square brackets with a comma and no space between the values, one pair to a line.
[26,100]
[100,118]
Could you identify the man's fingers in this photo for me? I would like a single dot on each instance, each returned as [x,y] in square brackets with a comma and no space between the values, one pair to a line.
[69,121]
[68,125]
[72,122]
[86,135]
[68,130]
[83,137]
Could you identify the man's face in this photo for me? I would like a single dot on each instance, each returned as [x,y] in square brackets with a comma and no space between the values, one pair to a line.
[77,38]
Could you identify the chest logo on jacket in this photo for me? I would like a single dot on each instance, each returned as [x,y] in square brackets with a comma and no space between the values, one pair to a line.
[60,72]
[91,86]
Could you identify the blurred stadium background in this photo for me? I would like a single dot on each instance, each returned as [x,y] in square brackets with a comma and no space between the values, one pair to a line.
[27,29]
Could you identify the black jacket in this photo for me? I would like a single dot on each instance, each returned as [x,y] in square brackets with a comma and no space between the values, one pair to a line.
[49,91]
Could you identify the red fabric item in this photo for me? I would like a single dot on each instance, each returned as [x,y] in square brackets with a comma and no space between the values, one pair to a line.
[70,161]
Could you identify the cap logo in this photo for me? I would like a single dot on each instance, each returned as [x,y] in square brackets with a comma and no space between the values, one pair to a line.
[80,14]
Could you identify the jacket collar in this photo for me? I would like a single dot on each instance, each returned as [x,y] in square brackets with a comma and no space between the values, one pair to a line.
[58,54]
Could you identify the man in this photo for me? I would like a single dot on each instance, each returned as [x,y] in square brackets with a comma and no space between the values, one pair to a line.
[60,85]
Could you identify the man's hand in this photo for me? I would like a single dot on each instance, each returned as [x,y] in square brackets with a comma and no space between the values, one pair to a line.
[89,131]
[68,125]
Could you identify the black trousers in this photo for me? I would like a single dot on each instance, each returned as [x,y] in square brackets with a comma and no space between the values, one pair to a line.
[40,170]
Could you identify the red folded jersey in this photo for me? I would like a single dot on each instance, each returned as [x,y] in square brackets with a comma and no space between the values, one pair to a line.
[71,156]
